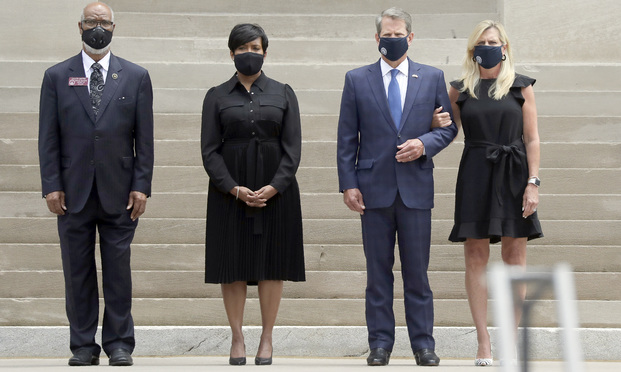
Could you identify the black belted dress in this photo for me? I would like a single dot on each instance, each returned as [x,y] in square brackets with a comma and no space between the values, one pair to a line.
[252,139]
[493,172]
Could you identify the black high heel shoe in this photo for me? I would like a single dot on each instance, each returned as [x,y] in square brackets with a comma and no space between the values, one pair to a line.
[263,361]
[237,361]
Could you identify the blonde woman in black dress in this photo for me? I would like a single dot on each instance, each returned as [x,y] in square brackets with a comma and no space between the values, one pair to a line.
[497,189]
[251,143]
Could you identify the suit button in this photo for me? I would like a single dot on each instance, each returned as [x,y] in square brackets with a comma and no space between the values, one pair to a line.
[96,138]
[92,162]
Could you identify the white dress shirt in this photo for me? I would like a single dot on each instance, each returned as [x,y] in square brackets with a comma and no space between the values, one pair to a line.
[402,77]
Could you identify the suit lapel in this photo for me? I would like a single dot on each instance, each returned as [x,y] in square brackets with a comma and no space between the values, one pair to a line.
[414,83]
[76,69]
[112,82]
[376,82]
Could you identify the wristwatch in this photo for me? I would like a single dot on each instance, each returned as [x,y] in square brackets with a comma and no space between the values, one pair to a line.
[535,181]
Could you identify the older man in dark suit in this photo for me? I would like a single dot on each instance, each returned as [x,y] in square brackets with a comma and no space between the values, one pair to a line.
[96,159]
[385,148]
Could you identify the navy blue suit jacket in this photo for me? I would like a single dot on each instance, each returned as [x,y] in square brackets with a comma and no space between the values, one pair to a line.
[115,149]
[368,138]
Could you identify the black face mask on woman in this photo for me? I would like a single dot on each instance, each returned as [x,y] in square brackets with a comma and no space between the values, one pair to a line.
[248,63]
[97,38]
[393,48]
[487,56]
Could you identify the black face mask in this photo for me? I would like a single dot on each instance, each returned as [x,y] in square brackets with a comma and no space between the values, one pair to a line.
[488,56]
[97,38]
[393,48]
[248,63]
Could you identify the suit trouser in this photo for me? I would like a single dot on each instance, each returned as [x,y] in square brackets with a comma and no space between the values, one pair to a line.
[77,241]
[413,227]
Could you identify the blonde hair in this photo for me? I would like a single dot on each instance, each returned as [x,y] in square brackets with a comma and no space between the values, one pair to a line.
[471,77]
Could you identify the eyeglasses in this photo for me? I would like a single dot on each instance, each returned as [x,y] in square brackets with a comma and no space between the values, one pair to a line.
[92,23]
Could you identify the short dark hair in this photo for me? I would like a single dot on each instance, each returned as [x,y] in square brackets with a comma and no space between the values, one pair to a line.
[245,32]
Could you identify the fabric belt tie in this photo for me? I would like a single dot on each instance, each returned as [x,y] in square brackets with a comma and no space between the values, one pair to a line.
[511,156]
[254,176]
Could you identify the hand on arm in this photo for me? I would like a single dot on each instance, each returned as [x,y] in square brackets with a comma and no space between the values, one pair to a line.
[353,200]
[137,204]
[440,119]
[56,202]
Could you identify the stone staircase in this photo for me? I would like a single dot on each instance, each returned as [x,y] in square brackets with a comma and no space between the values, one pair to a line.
[312,45]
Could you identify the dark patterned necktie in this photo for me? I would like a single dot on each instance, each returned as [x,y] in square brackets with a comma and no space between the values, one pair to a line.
[97,86]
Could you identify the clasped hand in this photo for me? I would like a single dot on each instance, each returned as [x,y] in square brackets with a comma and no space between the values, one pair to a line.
[257,199]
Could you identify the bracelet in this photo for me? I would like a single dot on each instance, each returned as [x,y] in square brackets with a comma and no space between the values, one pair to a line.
[237,196]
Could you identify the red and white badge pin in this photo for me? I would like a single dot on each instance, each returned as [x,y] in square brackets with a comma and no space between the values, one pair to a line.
[78,82]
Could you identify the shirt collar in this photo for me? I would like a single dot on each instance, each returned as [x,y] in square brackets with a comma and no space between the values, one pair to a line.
[403,67]
[260,83]
[88,62]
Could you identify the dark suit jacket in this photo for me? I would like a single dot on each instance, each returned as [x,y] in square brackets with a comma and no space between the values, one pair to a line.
[368,138]
[116,149]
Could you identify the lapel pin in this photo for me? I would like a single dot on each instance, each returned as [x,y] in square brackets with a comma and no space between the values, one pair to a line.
[115,76]
[415,76]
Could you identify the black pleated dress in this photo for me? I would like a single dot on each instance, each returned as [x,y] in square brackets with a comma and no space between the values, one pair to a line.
[252,139]
[493,171]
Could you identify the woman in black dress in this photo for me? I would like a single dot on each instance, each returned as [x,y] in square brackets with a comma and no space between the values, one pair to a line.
[251,143]
[497,192]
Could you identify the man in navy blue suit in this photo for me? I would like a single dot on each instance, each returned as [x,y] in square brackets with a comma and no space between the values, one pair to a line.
[96,160]
[386,143]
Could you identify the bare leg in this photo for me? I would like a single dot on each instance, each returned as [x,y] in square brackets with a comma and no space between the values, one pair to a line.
[234,296]
[476,254]
[514,253]
[270,293]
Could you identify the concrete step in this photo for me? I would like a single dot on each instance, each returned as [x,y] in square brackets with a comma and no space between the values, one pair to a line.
[299,7]
[318,257]
[323,154]
[331,206]
[321,75]
[552,129]
[319,284]
[37,230]
[19,99]
[324,312]
[309,50]
[193,179]
[219,25]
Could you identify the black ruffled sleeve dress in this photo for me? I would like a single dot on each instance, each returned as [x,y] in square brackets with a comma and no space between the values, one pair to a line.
[493,171]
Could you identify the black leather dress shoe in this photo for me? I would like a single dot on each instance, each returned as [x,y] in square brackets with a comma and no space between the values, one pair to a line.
[378,357]
[426,357]
[120,357]
[83,357]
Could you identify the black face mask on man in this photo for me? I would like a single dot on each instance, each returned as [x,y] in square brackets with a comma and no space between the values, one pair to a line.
[393,48]
[248,63]
[97,37]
